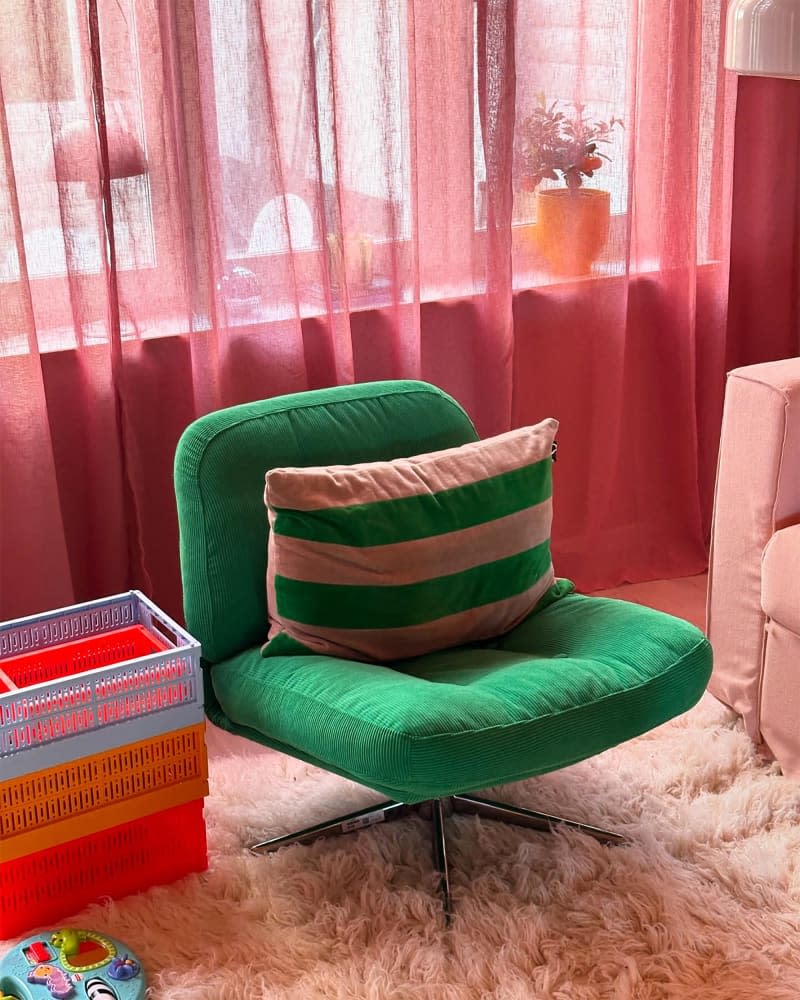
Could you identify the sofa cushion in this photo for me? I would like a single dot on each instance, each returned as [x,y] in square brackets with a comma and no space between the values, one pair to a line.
[384,560]
[579,676]
[780,578]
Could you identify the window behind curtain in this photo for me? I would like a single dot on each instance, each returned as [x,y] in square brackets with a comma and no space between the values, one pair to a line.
[270,157]
[47,100]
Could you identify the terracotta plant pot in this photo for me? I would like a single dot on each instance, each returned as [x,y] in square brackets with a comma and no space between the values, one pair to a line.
[571,228]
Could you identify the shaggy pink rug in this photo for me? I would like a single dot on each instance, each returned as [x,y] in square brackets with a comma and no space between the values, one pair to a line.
[705,906]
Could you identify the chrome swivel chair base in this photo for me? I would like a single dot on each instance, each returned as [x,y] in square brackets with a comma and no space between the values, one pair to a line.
[437,810]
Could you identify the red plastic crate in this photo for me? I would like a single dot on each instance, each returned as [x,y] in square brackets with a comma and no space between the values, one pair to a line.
[46,887]
[69,658]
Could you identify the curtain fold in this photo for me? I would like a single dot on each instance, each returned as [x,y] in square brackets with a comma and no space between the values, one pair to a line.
[496,74]
[212,201]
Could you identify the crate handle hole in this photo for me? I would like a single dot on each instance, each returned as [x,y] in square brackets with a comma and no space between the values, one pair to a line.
[164,631]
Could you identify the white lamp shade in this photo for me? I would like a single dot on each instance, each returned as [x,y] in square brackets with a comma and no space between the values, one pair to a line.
[762,38]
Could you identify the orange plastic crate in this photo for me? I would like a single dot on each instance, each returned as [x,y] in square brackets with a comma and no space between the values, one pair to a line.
[48,886]
[48,807]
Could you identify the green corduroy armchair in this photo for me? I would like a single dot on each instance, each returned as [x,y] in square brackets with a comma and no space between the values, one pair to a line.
[577,677]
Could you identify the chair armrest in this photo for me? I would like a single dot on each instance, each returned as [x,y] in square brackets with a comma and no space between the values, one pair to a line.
[780,578]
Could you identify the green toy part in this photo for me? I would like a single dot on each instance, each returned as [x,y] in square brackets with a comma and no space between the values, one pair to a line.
[81,950]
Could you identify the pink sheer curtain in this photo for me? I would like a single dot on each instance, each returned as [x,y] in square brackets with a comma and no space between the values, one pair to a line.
[307,182]
[222,200]
[629,359]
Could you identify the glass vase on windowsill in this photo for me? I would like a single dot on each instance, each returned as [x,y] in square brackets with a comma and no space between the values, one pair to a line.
[572,222]
[240,291]
[350,261]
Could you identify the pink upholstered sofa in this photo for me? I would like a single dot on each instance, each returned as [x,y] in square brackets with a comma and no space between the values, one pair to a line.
[753,613]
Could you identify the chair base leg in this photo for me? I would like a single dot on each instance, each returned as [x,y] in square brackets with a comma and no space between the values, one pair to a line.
[436,810]
[382,812]
[518,816]
[440,857]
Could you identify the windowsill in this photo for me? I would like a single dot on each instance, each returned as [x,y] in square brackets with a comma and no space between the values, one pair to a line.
[246,314]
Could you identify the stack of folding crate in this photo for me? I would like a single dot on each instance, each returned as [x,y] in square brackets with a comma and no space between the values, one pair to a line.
[103,765]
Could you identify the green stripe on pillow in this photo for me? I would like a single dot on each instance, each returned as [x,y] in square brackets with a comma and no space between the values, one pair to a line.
[424,515]
[328,605]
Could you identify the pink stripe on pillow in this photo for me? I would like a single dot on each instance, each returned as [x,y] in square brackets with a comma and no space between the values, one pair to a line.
[410,562]
[368,482]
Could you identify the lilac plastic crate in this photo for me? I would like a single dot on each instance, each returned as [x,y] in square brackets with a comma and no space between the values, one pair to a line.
[64,718]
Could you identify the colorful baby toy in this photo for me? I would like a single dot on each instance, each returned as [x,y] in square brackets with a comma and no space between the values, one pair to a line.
[71,963]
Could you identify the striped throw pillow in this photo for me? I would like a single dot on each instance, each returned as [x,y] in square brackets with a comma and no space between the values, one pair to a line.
[386,560]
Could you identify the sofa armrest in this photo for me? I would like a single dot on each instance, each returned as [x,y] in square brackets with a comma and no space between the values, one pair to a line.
[780,578]
[758,493]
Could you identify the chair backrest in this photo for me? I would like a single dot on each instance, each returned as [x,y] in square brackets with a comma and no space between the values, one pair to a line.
[220,464]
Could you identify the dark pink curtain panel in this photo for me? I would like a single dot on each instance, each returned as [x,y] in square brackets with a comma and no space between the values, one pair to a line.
[214,201]
[764,304]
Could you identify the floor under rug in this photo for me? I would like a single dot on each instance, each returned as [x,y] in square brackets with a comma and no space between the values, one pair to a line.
[704,906]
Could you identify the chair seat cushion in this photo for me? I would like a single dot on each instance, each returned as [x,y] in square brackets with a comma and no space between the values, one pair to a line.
[570,681]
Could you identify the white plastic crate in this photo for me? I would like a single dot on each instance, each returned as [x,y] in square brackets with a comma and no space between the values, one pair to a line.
[62,697]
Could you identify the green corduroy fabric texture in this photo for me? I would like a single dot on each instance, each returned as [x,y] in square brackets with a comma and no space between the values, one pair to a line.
[575,678]
[572,680]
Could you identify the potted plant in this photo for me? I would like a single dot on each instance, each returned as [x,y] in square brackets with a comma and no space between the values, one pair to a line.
[571,221]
